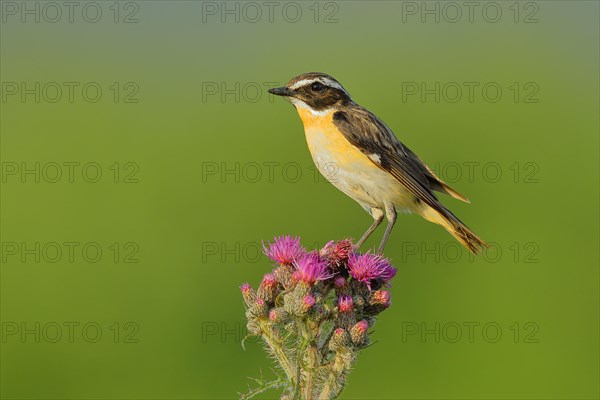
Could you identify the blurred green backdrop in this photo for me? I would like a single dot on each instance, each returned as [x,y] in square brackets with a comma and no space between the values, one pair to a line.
[199,165]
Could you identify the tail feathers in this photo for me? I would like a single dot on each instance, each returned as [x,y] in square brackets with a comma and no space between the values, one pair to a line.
[457,228]
[444,188]
[468,238]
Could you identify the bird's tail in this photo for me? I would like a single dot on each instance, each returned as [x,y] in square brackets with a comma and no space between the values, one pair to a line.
[456,227]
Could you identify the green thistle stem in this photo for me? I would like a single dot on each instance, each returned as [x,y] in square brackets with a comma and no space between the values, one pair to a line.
[276,345]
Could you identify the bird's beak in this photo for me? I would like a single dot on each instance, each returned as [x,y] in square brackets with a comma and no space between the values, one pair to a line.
[281,91]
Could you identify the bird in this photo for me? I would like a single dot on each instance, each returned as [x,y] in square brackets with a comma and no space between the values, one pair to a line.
[371,165]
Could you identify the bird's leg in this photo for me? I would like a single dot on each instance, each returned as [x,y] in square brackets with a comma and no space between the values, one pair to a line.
[377,215]
[390,213]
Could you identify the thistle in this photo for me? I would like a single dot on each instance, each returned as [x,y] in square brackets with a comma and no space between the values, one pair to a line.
[313,311]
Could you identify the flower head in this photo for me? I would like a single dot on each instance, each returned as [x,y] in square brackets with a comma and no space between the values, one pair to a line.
[369,268]
[337,252]
[310,269]
[284,250]
[345,303]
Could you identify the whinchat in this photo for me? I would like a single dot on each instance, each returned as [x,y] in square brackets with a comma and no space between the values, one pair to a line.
[372,166]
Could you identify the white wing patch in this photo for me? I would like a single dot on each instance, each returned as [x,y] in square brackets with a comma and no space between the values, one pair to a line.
[375,157]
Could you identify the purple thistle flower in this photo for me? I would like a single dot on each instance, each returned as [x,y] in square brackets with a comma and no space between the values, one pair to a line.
[345,303]
[284,250]
[368,268]
[310,269]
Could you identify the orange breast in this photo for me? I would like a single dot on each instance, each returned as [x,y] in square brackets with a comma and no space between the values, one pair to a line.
[327,144]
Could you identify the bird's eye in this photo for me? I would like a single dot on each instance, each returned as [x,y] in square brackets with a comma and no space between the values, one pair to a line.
[317,87]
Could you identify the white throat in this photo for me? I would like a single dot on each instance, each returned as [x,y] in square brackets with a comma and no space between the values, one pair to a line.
[299,103]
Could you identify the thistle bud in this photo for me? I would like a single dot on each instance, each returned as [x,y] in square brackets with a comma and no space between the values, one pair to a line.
[339,339]
[340,283]
[319,311]
[258,309]
[279,315]
[345,304]
[284,275]
[307,302]
[248,294]
[294,302]
[268,288]
[346,317]
[380,300]
[358,333]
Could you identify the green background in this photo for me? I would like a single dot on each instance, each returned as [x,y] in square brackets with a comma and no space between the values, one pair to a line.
[196,234]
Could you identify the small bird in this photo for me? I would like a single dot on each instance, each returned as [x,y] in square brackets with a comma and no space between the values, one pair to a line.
[371,165]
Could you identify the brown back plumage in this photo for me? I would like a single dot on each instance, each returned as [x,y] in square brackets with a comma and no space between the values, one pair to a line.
[375,139]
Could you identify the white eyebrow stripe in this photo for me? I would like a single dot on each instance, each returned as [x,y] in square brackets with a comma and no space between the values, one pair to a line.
[333,84]
[325,81]
[301,83]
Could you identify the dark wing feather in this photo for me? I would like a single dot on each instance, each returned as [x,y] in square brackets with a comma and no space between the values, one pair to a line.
[373,137]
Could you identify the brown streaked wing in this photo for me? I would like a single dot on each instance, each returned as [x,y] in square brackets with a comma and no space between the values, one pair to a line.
[373,137]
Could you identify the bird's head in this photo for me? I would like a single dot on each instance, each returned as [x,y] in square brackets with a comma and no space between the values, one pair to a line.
[316,91]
